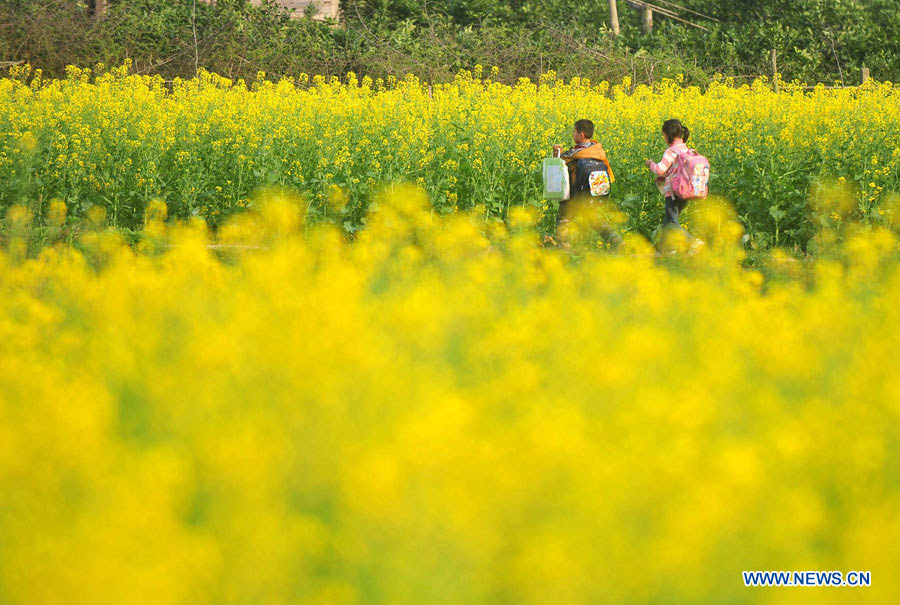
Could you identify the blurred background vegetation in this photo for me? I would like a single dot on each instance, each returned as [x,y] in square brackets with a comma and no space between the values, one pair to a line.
[816,40]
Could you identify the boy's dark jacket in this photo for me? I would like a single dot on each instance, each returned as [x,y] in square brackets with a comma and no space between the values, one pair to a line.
[594,152]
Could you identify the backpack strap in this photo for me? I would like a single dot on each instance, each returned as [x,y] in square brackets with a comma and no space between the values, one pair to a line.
[679,157]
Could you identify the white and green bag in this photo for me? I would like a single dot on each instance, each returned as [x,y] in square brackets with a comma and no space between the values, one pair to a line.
[556,179]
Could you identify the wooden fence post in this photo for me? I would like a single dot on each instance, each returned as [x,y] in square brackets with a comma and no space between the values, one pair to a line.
[614,17]
[774,71]
[646,19]
[865,74]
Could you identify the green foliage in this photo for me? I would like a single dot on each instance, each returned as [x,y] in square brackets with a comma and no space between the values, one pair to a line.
[816,40]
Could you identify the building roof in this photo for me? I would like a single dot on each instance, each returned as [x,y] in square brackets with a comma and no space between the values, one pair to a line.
[327,9]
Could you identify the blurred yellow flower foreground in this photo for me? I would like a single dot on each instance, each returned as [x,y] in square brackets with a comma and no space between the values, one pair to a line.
[441,411]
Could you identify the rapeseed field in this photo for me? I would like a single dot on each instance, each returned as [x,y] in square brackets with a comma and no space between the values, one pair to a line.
[120,141]
[440,409]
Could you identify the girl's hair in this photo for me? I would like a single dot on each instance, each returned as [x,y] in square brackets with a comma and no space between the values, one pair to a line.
[674,129]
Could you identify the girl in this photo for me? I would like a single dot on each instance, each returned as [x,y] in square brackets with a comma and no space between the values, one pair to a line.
[675,135]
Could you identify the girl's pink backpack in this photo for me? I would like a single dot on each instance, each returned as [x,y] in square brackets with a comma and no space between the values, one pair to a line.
[690,176]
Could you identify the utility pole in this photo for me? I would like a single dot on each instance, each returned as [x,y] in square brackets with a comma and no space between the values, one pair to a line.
[614,17]
[774,57]
[100,7]
[647,19]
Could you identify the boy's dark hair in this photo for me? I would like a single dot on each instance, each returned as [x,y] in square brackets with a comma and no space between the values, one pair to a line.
[674,129]
[585,127]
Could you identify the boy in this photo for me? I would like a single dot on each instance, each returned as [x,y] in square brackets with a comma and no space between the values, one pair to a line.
[590,174]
